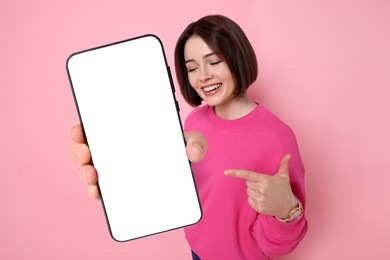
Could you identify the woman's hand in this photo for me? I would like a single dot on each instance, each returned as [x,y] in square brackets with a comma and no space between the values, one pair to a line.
[270,195]
[79,152]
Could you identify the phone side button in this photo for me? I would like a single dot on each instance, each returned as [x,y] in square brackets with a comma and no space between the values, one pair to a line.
[177,106]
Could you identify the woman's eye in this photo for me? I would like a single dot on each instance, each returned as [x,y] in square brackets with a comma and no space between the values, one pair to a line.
[191,69]
[215,62]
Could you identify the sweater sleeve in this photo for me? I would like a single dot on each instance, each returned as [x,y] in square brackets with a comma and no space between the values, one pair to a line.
[278,238]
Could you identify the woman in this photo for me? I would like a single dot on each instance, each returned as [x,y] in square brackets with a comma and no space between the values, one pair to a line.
[215,63]
[251,179]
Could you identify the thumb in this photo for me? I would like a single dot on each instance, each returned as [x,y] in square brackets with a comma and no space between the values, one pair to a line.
[284,167]
[196,146]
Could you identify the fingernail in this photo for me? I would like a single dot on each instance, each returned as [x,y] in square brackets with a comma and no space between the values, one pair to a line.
[199,146]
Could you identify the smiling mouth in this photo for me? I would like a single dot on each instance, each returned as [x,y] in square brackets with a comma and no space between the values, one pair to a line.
[212,87]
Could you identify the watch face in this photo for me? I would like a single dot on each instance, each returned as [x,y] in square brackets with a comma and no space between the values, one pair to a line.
[296,215]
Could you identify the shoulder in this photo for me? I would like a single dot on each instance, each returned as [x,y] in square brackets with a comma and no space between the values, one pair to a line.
[278,134]
[196,116]
[284,141]
[274,123]
[198,112]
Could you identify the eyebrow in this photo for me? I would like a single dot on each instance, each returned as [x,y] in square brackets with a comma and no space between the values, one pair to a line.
[204,57]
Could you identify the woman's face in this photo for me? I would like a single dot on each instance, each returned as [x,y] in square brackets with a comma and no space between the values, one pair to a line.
[208,73]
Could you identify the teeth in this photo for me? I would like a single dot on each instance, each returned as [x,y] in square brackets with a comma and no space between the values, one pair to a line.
[211,88]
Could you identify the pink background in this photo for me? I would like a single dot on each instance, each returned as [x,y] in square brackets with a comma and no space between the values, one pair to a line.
[324,69]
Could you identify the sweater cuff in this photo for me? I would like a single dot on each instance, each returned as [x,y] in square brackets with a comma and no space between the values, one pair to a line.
[283,227]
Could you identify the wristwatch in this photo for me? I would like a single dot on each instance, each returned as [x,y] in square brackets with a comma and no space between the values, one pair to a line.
[294,214]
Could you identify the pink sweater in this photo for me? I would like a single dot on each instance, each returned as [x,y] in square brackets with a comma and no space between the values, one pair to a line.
[230,228]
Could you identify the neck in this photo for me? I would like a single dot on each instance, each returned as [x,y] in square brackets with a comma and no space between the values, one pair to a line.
[235,108]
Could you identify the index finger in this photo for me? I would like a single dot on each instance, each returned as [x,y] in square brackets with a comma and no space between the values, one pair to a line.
[243,174]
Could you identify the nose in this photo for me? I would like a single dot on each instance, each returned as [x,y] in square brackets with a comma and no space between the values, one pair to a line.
[205,74]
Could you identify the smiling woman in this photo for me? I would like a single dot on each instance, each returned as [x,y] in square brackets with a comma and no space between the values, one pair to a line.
[264,216]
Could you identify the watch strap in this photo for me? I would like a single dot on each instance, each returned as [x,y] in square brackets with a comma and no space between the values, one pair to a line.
[294,214]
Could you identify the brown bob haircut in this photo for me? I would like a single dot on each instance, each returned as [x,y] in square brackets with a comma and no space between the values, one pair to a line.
[226,39]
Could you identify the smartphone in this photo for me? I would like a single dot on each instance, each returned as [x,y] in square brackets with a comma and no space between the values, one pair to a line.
[128,111]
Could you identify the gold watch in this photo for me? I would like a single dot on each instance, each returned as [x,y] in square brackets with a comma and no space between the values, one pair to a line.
[294,214]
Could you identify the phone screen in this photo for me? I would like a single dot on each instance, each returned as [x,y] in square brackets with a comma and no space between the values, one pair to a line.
[127,108]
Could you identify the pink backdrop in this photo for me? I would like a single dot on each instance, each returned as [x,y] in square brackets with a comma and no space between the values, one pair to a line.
[324,69]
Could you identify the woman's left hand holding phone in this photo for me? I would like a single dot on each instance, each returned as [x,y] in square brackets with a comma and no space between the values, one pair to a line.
[196,148]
